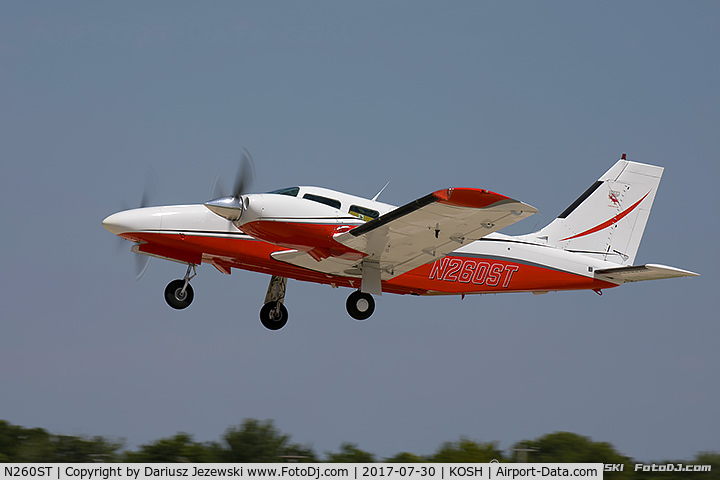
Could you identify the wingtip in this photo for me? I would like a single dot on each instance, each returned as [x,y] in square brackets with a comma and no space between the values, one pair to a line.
[468,197]
[479,198]
[679,271]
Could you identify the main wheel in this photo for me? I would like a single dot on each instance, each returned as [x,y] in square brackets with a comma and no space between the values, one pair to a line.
[360,305]
[271,318]
[175,297]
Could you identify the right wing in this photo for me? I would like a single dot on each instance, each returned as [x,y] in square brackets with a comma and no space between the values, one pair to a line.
[431,227]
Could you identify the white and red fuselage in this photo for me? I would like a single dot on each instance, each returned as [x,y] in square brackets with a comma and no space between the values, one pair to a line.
[496,263]
[442,244]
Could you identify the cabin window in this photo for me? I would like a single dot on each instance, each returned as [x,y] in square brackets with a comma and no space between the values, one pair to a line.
[290,192]
[324,200]
[363,213]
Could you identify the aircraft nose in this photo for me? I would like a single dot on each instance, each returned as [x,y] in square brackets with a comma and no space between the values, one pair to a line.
[137,220]
[115,224]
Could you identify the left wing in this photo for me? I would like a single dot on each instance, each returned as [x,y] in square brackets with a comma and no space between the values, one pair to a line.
[420,232]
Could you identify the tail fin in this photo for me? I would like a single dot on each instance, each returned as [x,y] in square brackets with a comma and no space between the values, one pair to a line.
[608,220]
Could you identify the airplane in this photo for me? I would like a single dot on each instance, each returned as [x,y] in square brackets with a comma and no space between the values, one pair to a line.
[444,243]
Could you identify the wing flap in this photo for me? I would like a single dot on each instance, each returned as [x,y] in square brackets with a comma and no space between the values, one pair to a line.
[331,265]
[638,273]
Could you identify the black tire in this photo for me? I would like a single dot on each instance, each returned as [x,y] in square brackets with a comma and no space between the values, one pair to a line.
[268,319]
[360,305]
[173,295]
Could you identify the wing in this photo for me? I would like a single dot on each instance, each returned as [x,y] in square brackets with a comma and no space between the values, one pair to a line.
[639,273]
[433,226]
[420,232]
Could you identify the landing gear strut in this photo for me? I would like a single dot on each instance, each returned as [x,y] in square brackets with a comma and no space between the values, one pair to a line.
[179,293]
[360,305]
[273,314]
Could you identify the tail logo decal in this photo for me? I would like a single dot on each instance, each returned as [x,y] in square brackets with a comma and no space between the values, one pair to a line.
[608,223]
[613,198]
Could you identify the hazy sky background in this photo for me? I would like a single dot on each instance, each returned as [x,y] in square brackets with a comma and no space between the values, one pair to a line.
[534,100]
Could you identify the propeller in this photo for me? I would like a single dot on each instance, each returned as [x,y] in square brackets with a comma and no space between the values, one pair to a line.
[141,265]
[245,175]
[141,260]
[230,206]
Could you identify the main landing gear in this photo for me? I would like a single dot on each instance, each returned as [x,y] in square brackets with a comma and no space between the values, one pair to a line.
[360,305]
[179,293]
[274,315]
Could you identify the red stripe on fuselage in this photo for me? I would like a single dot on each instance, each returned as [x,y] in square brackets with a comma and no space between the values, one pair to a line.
[451,275]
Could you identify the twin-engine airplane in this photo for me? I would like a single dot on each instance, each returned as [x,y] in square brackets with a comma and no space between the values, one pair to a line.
[445,243]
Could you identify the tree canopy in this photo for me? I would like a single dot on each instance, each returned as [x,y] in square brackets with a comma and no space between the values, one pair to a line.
[18,444]
[260,441]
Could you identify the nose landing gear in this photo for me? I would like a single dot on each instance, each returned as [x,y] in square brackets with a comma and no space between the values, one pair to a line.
[179,293]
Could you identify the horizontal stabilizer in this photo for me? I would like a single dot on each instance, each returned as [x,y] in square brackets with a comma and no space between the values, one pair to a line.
[638,273]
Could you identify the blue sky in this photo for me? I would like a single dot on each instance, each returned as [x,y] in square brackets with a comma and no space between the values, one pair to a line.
[533,100]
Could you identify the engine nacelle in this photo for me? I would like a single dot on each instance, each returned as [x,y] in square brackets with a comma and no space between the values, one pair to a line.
[297,223]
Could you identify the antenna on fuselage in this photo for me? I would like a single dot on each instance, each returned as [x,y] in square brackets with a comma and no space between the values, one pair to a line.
[381,190]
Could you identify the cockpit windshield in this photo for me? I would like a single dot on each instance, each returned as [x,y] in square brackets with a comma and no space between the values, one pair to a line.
[290,191]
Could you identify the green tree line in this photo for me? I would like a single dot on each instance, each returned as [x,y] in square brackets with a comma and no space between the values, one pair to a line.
[260,441]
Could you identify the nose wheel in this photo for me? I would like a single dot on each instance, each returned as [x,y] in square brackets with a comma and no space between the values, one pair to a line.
[360,305]
[179,293]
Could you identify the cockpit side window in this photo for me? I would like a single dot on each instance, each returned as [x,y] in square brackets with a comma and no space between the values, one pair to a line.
[363,213]
[290,191]
[324,200]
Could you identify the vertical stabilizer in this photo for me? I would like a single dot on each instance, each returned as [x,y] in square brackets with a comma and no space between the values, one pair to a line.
[608,220]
